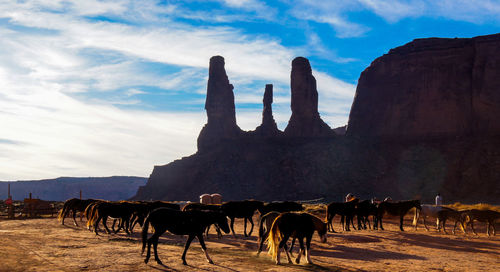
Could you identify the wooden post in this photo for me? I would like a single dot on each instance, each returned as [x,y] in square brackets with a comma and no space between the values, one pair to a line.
[10,207]
[81,213]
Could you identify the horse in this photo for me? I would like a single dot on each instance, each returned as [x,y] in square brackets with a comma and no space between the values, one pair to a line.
[345,209]
[142,209]
[363,210]
[191,223]
[74,205]
[428,211]
[487,216]
[296,225]
[285,206]
[399,208]
[444,214]
[103,210]
[241,209]
[205,207]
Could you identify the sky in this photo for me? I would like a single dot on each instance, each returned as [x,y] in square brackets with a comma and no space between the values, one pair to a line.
[101,88]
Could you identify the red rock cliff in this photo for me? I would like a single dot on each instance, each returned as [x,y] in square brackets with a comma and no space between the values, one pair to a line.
[430,88]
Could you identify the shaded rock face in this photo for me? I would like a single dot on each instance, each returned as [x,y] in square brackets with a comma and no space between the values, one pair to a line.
[220,107]
[430,88]
[423,121]
[305,120]
[268,128]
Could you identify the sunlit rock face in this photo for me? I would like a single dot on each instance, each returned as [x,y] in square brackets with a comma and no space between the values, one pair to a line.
[305,120]
[430,88]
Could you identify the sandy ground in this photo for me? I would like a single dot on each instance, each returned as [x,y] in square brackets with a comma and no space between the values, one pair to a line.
[46,245]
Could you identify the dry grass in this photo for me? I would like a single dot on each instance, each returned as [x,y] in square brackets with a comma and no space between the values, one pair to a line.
[479,206]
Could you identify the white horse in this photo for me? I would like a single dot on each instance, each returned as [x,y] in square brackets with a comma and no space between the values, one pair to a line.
[427,211]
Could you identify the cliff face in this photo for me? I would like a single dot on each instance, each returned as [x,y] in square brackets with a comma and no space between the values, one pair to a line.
[424,120]
[430,88]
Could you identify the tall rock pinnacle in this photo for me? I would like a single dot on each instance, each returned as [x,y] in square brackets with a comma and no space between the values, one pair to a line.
[268,126]
[305,120]
[219,105]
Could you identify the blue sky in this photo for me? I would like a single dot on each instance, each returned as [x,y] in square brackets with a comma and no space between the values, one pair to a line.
[98,88]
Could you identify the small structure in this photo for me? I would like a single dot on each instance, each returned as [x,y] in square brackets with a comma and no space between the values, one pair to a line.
[216,198]
[205,199]
[36,207]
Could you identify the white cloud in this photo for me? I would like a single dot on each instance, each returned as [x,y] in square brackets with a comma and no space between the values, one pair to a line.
[52,51]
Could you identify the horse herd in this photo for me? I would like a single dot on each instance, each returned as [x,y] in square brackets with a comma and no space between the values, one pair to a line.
[279,221]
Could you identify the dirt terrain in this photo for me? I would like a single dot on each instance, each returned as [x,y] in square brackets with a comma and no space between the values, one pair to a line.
[46,245]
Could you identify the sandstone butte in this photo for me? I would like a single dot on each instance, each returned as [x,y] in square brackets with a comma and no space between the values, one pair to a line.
[424,120]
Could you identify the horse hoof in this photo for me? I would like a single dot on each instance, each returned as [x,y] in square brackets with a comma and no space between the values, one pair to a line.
[159,262]
[146,261]
[297,261]
[210,262]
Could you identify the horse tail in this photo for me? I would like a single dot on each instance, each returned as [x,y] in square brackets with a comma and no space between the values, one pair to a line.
[144,233]
[274,238]
[63,211]
[415,217]
[91,214]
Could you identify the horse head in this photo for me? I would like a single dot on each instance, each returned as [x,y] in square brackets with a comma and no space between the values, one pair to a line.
[417,204]
[222,222]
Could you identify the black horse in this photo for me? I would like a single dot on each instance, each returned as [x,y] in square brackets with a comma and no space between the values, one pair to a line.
[191,223]
[143,208]
[363,210]
[399,208]
[295,225]
[205,207]
[346,210]
[241,209]
[102,210]
[285,206]
[74,205]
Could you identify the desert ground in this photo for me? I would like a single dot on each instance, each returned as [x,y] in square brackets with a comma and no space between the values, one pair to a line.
[45,245]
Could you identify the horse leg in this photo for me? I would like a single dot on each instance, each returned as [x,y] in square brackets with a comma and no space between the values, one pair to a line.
[74,218]
[425,224]
[401,222]
[202,243]
[232,226]
[265,234]
[104,222]
[186,246]
[472,227]
[380,222]
[308,249]
[285,247]
[251,228]
[301,251]
[150,241]
[245,227]
[155,248]
[488,227]
[291,247]
[207,230]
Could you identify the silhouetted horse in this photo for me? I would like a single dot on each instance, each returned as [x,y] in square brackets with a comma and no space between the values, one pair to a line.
[74,205]
[428,211]
[346,210]
[143,208]
[400,209]
[446,214]
[241,209]
[363,210]
[191,223]
[487,216]
[285,206]
[295,225]
[103,210]
[205,207]
[265,223]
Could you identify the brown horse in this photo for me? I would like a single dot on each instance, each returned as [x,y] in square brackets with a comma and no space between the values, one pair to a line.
[241,209]
[295,225]
[346,210]
[445,214]
[74,205]
[103,210]
[399,208]
[205,207]
[191,223]
[487,216]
